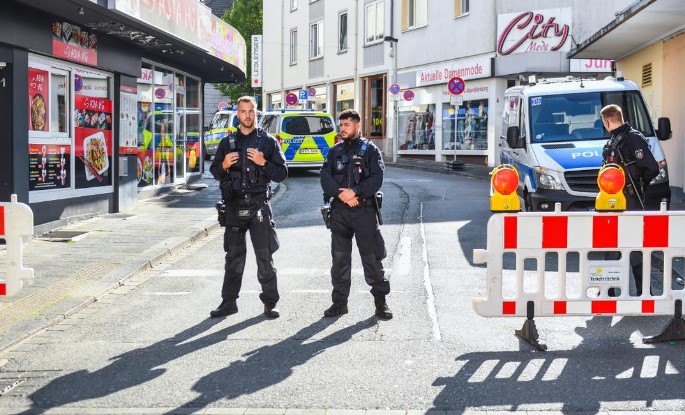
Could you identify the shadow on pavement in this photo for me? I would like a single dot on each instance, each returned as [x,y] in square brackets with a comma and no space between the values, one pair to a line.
[130,369]
[244,377]
[599,372]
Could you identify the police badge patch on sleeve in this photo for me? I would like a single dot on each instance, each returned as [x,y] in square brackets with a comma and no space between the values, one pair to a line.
[381,164]
[639,154]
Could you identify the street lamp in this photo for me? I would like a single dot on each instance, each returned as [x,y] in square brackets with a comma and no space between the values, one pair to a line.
[393,80]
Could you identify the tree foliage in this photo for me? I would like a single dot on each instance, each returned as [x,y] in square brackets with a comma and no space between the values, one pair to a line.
[246,17]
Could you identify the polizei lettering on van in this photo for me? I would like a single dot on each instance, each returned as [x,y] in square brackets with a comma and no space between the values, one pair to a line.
[586,154]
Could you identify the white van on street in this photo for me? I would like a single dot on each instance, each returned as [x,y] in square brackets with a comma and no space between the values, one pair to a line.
[552,133]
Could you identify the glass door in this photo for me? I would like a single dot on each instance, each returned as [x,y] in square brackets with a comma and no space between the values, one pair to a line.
[180,128]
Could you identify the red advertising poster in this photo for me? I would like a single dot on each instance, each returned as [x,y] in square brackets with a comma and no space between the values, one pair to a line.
[72,43]
[48,166]
[39,96]
[93,142]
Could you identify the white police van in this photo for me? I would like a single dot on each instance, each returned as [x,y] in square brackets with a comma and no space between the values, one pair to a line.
[552,133]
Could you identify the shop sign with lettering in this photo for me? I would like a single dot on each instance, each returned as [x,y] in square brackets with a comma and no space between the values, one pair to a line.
[464,69]
[545,30]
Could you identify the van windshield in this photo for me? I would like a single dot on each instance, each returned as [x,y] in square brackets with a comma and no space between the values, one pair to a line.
[576,117]
[219,121]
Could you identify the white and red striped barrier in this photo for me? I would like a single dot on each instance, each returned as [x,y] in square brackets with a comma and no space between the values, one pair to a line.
[534,235]
[16,226]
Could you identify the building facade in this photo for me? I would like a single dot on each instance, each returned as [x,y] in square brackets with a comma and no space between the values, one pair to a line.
[393,60]
[114,104]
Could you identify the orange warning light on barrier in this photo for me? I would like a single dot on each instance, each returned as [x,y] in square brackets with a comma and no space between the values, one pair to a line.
[611,179]
[504,182]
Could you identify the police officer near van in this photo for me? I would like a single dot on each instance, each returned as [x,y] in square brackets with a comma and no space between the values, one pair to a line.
[628,148]
[245,163]
[351,177]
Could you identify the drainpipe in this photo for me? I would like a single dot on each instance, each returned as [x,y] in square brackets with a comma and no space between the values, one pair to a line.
[393,79]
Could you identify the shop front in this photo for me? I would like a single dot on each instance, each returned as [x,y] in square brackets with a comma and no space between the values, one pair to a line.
[98,118]
[434,122]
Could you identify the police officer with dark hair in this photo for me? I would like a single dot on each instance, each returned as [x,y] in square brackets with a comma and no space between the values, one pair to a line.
[351,177]
[245,162]
[628,148]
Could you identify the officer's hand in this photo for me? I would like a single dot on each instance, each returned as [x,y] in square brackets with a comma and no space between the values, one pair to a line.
[229,160]
[256,156]
[354,202]
[346,195]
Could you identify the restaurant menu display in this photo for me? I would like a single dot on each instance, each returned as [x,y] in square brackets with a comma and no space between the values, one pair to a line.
[73,43]
[128,125]
[48,166]
[39,95]
[93,142]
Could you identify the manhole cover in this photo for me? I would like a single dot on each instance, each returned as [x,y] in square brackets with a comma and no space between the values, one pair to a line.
[65,236]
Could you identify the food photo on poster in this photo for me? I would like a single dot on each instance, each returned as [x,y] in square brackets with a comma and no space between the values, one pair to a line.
[93,142]
[38,106]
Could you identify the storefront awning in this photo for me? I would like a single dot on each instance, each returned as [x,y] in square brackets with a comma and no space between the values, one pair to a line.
[182,33]
[641,24]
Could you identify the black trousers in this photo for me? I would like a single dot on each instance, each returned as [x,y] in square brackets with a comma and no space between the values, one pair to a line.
[361,223]
[257,219]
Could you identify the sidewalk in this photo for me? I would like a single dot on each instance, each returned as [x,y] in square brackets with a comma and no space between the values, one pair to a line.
[79,263]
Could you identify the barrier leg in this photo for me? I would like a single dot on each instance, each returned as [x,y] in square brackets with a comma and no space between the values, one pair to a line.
[529,332]
[674,331]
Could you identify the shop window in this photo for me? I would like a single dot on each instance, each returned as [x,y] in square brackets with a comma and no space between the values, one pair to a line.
[316,40]
[416,127]
[342,32]
[465,127]
[59,102]
[374,107]
[374,17]
[344,97]
[414,14]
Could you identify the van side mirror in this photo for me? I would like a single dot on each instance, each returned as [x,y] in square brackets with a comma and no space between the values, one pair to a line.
[513,139]
[664,131]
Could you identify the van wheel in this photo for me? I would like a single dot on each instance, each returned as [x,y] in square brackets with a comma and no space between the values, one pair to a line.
[527,202]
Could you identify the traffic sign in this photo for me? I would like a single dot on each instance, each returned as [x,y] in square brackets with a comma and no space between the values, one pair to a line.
[311,91]
[291,99]
[302,94]
[408,95]
[456,100]
[394,89]
[222,104]
[456,85]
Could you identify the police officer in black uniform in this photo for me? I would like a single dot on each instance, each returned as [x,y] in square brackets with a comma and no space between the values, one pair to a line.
[350,177]
[628,148]
[245,162]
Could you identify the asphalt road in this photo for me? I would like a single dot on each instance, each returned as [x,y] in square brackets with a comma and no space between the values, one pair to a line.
[150,346]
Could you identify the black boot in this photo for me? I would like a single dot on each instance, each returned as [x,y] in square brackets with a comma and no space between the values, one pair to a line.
[337,309]
[270,311]
[382,310]
[226,308]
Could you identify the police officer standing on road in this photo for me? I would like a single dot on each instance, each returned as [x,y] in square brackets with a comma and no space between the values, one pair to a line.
[245,162]
[628,148]
[351,176]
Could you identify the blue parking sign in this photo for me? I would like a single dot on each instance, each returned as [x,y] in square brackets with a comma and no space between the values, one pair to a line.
[302,94]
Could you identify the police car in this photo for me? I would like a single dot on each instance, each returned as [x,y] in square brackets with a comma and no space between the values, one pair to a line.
[552,133]
[305,136]
[224,121]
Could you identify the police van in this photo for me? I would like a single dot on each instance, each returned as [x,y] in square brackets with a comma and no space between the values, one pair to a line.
[552,132]
[305,136]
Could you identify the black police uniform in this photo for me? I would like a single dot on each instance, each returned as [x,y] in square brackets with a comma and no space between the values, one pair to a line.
[628,148]
[246,191]
[355,164]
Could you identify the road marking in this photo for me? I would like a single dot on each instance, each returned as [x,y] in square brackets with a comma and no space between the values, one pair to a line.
[170,293]
[403,263]
[432,312]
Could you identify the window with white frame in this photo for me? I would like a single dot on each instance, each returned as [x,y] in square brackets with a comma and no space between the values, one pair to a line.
[461,7]
[316,40]
[342,32]
[375,19]
[293,46]
[414,14]
[293,5]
